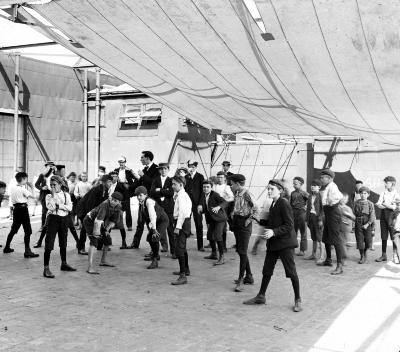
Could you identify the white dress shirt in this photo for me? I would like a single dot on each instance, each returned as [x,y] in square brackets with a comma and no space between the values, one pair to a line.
[112,188]
[388,198]
[19,194]
[63,200]
[122,175]
[182,208]
[163,178]
[331,194]
[225,192]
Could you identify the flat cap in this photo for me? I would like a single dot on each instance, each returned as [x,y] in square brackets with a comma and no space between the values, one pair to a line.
[122,159]
[316,182]
[300,179]
[102,168]
[277,183]
[163,165]
[140,190]
[192,162]
[106,178]
[328,172]
[237,178]
[49,163]
[118,196]
[364,189]
[226,162]
[60,166]
[389,179]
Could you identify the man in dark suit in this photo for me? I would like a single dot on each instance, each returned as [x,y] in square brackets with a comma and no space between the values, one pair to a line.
[91,200]
[194,188]
[161,191]
[144,178]
[282,241]
[213,206]
[127,181]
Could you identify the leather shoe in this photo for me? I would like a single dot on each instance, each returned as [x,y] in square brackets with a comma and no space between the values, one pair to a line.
[337,271]
[133,246]
[248,280]
[37,245]
[239,286]
[382,258]
[297,306]
[123,246]
[153,265]
[8,250]
[66,267]
[149,259]
[259,299]
[47,273]
[325,263]
[82,252]
[180,281]
[30,255]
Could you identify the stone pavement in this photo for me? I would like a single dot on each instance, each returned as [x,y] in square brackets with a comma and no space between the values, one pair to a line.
[129,308]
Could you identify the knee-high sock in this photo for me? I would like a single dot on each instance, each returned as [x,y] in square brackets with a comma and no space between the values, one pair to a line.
[264,284]
[186,261]
[123,235]
[244,265]
[296,287]
[47,257]
[328,250]
[384,245]
[9,239]
[63,254]
[27,240]
[213,246]
[181,264]
[220,248]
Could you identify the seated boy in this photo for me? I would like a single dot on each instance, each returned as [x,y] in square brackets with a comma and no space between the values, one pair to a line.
[98,224]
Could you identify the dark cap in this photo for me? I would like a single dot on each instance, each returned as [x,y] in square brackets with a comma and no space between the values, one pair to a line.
[118,196]
[162,165]
[358,182]
[364,189]
[389,179]
[102,168]
[277,183]
[328,172]
[140,190]
[226,162]
[316,182]
[60,167]
[300,179]
[113,173]
[49,163]
[237,178]
[106,178]
[192,162]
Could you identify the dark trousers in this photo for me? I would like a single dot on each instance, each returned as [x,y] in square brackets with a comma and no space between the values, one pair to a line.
[161,226]
[180,246]
[287,258]
[20,217]
[56,225]
[198,223]
[82,236]
[44,210]
[242,235]
[363,236]
[339,253]
[126,207]
[299,217]
[170,231]
[384,221]
[139,230]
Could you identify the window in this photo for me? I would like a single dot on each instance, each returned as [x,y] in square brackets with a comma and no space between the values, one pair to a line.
[140,116]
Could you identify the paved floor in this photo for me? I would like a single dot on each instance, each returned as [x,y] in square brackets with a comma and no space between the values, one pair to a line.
[129,308]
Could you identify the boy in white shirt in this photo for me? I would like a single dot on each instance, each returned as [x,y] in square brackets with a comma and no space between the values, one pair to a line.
[387,205]
[19,196]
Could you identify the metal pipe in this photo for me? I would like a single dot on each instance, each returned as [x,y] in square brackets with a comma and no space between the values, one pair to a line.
[85,121]
[24,46]
[97,123]
[16,108]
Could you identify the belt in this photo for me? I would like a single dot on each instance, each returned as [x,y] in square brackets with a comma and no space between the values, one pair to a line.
[20,205]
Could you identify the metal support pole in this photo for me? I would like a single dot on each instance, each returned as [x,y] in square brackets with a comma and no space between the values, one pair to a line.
[85,121]
[16,108]
[97,122]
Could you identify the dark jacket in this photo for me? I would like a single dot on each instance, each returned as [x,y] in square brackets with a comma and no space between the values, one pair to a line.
[147,179]
[194,188]
[128,175]
[214,200]
[39,184]
[317,205]
[280,220]
[166,191]
[91,200]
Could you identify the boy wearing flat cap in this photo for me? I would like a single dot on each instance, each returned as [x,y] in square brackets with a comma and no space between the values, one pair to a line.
[298,201]
[364,212]
[244,210]
[387,206]
[281,242]
[315,221]
[226,165]
[331,197]
[98,224]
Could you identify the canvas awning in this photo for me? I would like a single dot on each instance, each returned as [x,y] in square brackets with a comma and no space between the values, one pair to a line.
[331,70]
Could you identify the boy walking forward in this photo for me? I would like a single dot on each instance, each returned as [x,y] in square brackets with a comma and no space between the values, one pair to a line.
[19,196]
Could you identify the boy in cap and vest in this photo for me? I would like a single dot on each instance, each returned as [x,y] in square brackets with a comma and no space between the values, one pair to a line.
[315,221]
[157,222]
[98,224]
[245,209]
[182,212]
[387,206]
[298,201]
[395,233]
[331,197]
[364,212]
[282,241]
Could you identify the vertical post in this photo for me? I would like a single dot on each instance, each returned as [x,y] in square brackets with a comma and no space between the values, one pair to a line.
[85,121]
[97,123]
[16,108]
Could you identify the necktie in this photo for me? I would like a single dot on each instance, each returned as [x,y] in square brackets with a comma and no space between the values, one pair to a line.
[146,168]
